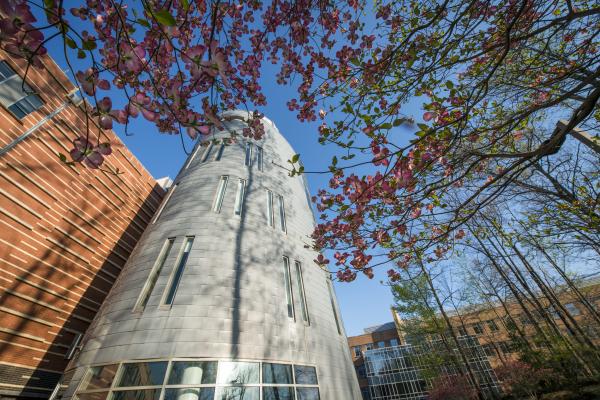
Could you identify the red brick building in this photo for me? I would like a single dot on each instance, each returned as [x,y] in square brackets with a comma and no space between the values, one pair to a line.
[65,231]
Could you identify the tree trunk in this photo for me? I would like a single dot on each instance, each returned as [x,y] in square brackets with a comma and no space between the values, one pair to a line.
[589,307]
[463,356]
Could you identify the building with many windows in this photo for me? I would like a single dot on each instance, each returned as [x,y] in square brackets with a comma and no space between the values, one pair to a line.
[389,368]
[496,325]
[221,298]
[65,231]
[374,337]
[402,372]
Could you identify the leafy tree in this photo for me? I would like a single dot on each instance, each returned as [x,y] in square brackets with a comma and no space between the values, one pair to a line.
[504,83]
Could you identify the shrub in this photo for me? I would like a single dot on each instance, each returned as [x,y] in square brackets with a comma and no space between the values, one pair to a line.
[520,379]
[452,387]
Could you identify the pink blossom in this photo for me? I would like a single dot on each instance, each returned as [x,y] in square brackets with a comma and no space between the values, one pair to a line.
[88,154]
[428,116]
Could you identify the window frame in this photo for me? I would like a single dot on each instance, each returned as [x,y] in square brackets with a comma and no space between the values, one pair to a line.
[248,155]
[240,196]
[259,158]
[220,193]
[219,152]
[26,92]
[177,273]
[338,322]
[161,260]
[301,292]
[206,153]
[164,203]
[492,325]
[282,220]
[289,292]
[478,328]
[193,156]
[270,209]
[216,386]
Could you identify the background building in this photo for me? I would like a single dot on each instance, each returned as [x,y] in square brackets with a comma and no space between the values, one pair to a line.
[405,372]
[497,325]
[375,337]
[65,232]
[486,331]
[221,298]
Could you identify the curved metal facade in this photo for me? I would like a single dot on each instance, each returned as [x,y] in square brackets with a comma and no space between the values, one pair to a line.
[223,291]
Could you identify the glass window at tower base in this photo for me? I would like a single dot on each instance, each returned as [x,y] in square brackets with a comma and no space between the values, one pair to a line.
[195,379]
[405,372]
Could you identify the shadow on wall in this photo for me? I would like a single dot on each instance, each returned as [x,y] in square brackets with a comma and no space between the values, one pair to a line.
[39,298]
[236,293]
[265,256]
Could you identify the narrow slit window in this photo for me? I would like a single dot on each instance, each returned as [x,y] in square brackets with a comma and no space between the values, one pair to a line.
[270,214]
[248,161]
[164,203]
[178,271]
[281,213]
[219,152]
[239,198]
[207,152]
[194,154]
[220,194]
[302,296]
[335,314]
[259,158]
[140,304]
[288,287]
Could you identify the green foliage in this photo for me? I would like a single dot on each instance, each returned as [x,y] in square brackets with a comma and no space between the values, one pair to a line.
[164,17]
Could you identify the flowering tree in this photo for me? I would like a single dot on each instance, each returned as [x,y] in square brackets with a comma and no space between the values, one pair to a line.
[503,84]
[495,78]
[178,63]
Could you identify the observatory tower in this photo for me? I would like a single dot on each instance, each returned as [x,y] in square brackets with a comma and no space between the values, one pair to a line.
[221,298]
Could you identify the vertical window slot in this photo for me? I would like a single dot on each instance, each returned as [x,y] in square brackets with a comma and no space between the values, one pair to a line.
[248,161]
[178,271]
[207,152]
[270,214]
[335,314]
[301,293]
[239,198]
[259,158]
[218,202]
[194,154]
[142,300]
[219,152]
[288,287]
[164,203]
[281,213]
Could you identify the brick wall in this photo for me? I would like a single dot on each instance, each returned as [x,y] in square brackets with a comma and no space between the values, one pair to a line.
[65,234]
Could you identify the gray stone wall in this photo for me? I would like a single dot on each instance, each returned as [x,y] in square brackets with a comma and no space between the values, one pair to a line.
[231,301]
